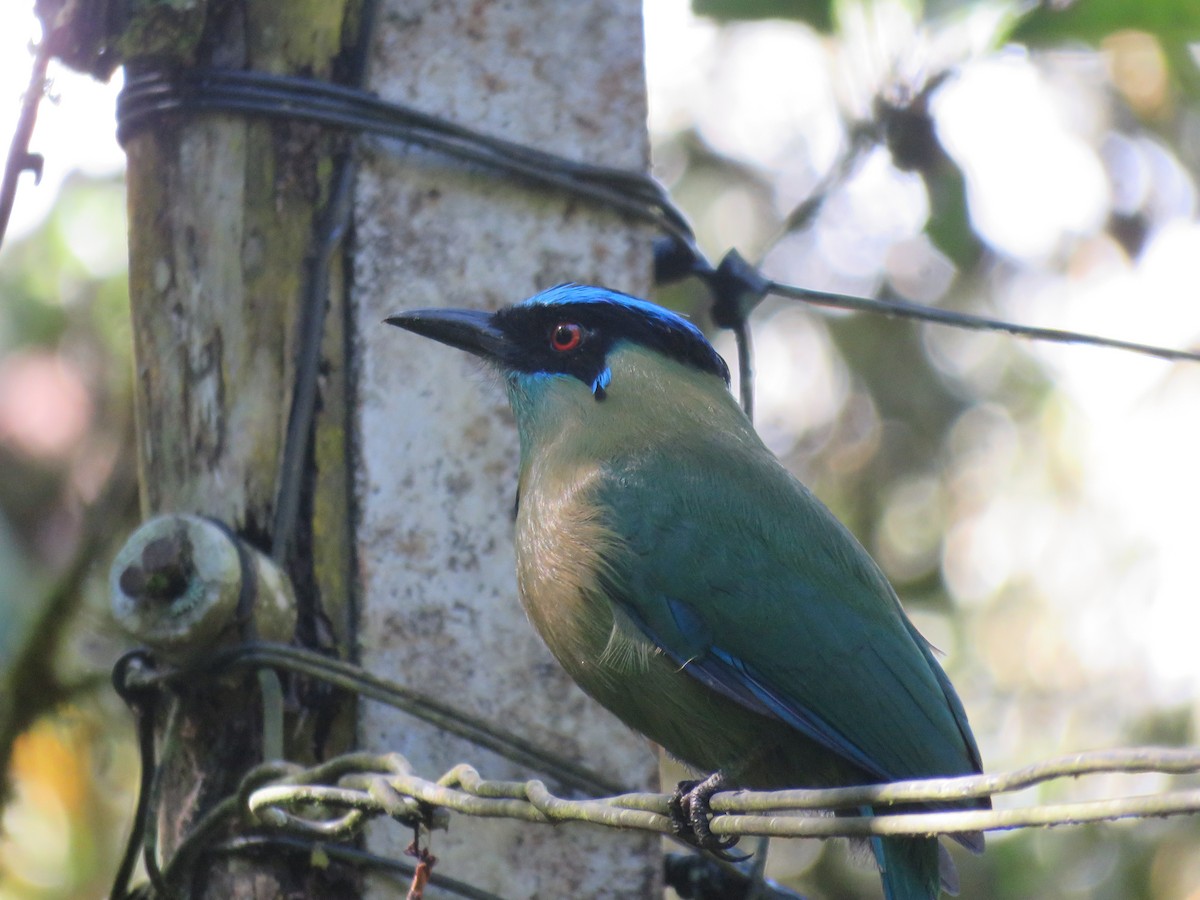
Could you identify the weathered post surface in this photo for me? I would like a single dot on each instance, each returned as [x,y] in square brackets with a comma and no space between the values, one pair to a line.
[437,471]
[222,211]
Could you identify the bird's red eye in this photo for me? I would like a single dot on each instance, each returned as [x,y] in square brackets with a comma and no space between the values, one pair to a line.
[566,336]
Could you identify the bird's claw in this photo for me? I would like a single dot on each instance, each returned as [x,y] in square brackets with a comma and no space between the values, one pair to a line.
[690,814]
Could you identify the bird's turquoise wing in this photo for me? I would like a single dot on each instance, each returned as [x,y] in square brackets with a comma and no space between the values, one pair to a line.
[754,588]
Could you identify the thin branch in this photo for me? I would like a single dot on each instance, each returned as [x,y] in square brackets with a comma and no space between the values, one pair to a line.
[19,158]
[31,685]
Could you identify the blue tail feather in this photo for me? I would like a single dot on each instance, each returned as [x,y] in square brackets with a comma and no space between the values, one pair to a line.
[910,867]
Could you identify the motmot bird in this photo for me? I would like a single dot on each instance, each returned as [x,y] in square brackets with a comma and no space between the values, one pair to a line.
[694,587]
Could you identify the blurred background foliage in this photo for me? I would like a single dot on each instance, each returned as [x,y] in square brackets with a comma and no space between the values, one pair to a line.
[67,494]
[1036,506]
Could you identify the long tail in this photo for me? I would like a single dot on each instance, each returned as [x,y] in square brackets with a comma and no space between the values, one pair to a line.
[909,867]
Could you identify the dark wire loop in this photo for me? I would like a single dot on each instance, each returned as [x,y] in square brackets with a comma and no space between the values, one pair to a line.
[675,260]
[737,288]
[471,728]
[150,94]
[353,678]
[142,702]
[142,699]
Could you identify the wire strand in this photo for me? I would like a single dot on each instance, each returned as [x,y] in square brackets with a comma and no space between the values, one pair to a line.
[361,682]
[938,316]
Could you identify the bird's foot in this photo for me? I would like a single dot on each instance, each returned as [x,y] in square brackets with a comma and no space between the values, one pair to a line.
[690,814]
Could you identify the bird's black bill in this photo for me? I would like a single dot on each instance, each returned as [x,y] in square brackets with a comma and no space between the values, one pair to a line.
[467,329]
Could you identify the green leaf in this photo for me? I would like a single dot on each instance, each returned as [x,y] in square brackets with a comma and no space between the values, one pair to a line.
[1090,21]
[816,13]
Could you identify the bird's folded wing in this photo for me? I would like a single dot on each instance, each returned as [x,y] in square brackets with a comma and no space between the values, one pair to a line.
[755,589]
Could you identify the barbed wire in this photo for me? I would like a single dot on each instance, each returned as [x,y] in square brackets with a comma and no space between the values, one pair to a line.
[373,785]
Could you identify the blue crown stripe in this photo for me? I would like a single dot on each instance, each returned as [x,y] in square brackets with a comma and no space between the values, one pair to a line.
[578,293]
[659,318]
